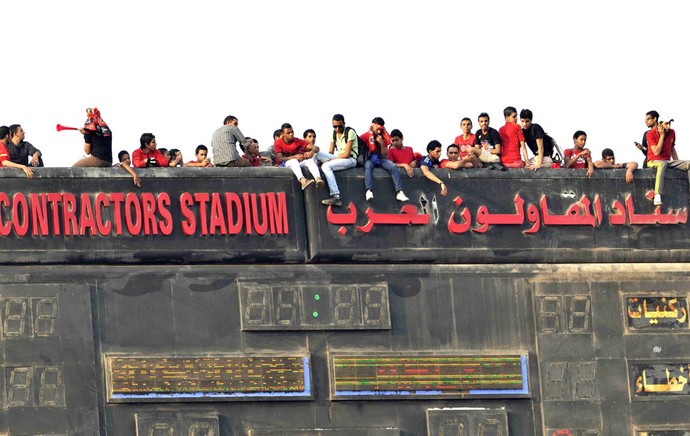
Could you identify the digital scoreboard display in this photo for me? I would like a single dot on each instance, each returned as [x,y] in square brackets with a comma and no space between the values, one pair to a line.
[304,306]
[414,375]
[223,378]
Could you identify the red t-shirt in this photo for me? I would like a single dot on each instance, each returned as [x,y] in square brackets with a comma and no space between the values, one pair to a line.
[581,161]
[153,159]
[511,135]
[653,139]
[366,137]
[443,163]
[4,154]
[403,155]
[464,144]
[297,146]
[254,161]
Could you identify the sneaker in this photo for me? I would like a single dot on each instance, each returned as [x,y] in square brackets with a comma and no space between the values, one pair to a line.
[333,200]
[369,195]
[305,182]
[401,196]
[657,200]
[319,183]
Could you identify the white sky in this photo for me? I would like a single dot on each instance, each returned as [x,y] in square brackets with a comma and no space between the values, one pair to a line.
[176,69]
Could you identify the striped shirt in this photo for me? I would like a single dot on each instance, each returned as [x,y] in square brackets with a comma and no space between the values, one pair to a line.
[223,144]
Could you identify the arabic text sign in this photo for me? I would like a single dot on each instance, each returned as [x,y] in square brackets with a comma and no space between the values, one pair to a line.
[660,379]
[657,313]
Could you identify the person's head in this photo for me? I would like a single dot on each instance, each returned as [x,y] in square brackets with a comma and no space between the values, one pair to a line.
[174,153]
[277,134]
[123,157]
[579,139]
[510,114]
[434,149]
[483,121]
[4,134]
[147,141]
[466,125]
[396,138]
[607,155]
[230,120]
[377,125]
[453,152]
[338,123]
[310,136]
[288,134]
[201,152]
[651,118]
[16,132]
[526,118]
[252,148]
[165,153]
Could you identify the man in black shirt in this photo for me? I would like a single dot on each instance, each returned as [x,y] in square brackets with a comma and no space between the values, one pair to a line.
[20,150]
[537,140]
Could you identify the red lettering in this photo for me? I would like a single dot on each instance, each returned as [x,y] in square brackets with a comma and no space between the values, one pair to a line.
[202,198]
[5,228]
[55,199]
[166,223]
[277,212]
[189,223]
[39,214]
[217,218]
[232,199]
[86,216]
[69,217]
[117,198]
[148,202]
[101,201]
[20,200]
[132,213]
[247,212]
[259,228]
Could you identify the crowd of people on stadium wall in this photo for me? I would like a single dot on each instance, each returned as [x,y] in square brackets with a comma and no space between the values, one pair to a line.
[505,148]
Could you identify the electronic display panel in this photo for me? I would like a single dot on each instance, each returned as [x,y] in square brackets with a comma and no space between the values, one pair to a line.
[427,375]
[309,306]
[220,378]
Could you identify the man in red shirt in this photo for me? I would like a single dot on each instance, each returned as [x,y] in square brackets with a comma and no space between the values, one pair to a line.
[661,142]
[5,161]
[512,141]
[147,155]
[295,153]
[202,160]
[579,157]
[401,156]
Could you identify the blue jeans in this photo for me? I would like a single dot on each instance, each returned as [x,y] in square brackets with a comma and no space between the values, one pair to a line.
[332,163]
[387,165]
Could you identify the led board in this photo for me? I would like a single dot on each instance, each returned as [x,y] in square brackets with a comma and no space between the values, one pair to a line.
[221,378]
[314,306]
[414,375]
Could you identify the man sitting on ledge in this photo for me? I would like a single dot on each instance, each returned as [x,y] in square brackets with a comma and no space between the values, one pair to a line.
[608,161]
[5,161]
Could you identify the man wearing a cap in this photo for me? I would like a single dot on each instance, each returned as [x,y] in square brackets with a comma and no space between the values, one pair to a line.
[661,141]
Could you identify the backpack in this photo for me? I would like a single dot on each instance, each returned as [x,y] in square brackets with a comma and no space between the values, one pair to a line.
[361,147]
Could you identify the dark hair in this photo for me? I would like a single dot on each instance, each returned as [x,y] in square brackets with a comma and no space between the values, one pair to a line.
[452,146]
[173,152]
[285,126]
[396,132]
[509,111]
[653,114]
[339,117]
[379,121]
[163,150]
[482,115]
[606,153]
[228,119]
[433,145]
[466,119]
[526,114]
[200,147]
[122,153]
[276,134]
[4,131]
[14,128]
[308,131]
[145,140]
[578,133]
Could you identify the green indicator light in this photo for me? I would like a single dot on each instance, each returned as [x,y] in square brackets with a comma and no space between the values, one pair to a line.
[317,297]
[315,314]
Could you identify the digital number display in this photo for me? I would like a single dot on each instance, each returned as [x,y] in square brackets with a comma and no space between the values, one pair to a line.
[314,307]
[177,423]
[380,376]
[27,318]
[359,431]
[465,421]
[207,378]
[29,386]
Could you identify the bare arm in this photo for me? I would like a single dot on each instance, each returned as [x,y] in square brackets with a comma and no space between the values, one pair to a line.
[431,176]
[29,173]
[135,176]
